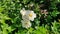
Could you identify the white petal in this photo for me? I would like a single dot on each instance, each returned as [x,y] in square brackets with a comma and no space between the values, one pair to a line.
[32,19]
[23,11]
[34,15]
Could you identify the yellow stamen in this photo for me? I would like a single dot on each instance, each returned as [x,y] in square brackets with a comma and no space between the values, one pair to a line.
[30,15]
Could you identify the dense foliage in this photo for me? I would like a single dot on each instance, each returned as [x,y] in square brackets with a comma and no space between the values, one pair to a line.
[47,20]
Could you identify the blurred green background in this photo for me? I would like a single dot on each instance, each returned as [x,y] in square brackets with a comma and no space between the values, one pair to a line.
[47,21]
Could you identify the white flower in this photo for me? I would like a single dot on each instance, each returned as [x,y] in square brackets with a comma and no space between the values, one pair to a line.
[31,15]
[26,23]
[23,11]
[28,14]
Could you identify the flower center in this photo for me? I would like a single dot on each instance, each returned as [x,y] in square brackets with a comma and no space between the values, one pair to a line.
[26,24]
[30,15]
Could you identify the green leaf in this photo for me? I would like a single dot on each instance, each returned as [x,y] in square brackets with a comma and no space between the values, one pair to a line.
[54,13]
[25,1]
[1,9]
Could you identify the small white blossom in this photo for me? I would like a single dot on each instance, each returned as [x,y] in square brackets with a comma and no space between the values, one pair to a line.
[28,14]
[31,15]
[26,23]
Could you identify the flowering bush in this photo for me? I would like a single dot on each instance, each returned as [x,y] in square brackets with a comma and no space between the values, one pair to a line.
[29,16]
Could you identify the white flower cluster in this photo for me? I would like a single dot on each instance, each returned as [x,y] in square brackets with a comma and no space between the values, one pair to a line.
[27,16]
